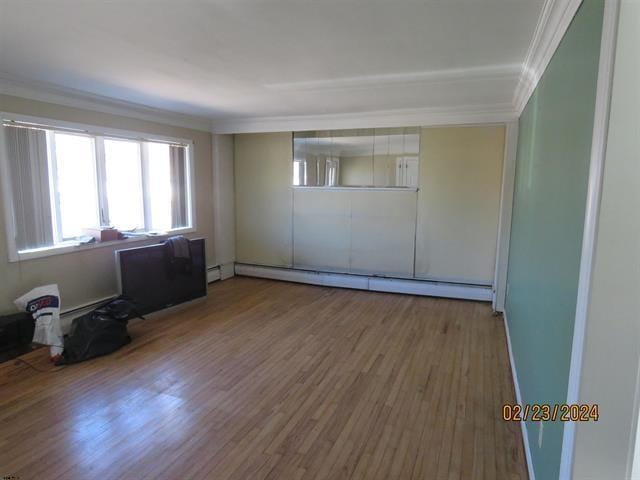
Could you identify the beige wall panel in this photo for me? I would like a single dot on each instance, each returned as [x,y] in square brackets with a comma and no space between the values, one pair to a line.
[224,199]
[90,275]
[383,232]
[263,175]
[321,229]
[459,203]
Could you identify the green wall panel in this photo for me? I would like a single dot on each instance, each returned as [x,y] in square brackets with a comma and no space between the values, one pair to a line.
[548,215]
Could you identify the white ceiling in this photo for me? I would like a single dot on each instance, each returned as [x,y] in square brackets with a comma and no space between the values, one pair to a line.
[256,58]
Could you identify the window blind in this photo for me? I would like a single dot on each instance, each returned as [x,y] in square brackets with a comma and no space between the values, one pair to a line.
[30,193]
[179,198]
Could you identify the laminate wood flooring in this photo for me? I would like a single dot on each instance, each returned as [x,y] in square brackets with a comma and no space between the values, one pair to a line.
[274,380]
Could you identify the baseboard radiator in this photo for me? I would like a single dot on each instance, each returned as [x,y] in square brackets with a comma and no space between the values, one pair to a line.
[372,283]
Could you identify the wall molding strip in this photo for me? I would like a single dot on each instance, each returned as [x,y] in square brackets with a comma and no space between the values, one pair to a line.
[425,117]
[596,171]
[506,210]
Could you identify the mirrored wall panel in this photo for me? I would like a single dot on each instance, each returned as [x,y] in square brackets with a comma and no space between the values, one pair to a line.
[381,157]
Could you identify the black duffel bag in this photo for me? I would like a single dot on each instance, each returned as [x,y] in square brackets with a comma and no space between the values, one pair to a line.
[99,332]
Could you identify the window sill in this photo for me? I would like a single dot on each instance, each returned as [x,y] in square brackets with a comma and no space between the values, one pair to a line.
[62,249]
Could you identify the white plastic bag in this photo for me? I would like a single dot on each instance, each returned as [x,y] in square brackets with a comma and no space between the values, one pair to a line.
[43,303]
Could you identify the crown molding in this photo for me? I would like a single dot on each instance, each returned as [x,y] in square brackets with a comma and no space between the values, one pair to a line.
[461,115]
[492,72]
[457,115]
[554,20]
[46,92]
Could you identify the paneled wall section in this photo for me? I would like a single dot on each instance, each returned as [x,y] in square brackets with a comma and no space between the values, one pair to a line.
[263,172]
[459,203]
[446,230]
[354,231]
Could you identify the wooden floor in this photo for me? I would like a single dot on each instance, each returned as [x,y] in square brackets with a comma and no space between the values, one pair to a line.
[275,380]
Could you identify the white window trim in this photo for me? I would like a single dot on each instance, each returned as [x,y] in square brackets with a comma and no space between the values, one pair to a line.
[70,247]
[101,175]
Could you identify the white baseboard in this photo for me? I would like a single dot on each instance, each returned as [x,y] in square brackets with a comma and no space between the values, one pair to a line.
[362,282]
[213,274]
[431,289]
[523,425]
[227,270]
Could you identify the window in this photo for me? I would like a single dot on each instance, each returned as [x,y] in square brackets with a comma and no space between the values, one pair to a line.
[123,171]
[61,182]
[159,171]
[331,174]
[75,184]
[299,172]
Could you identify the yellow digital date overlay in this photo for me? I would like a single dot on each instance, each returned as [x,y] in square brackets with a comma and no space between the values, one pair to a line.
[544,412]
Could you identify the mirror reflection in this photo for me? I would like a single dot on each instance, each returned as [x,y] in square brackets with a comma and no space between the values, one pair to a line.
[381,157]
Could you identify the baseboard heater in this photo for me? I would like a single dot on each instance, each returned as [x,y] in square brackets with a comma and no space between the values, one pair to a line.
[363,282]
[213,274]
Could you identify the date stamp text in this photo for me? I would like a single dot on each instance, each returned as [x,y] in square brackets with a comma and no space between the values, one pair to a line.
[543,412]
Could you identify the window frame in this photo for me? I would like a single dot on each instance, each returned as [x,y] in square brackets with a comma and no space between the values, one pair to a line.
[62,246]
[52,160]
[101,175]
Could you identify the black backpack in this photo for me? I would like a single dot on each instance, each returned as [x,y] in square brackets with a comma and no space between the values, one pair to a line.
[99,332]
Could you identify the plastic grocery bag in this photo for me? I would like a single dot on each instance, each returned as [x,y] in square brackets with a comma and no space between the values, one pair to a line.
[43,303]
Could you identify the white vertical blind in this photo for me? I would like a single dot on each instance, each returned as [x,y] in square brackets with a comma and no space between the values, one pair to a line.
[29,176]
[177,159]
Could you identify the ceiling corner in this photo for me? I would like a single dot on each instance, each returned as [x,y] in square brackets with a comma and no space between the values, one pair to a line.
[555,18]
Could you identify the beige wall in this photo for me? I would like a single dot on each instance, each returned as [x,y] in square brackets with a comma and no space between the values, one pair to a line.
[224,203]
[263,175]
[459,203]
[610,369]
[90,275]
[456,211]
